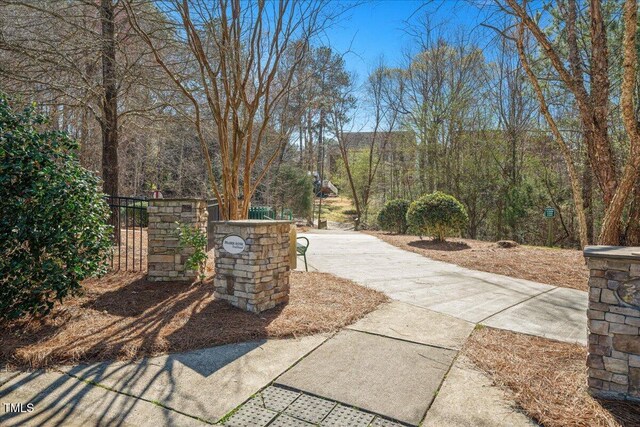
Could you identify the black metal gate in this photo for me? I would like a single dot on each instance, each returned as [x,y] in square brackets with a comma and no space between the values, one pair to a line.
[129,220]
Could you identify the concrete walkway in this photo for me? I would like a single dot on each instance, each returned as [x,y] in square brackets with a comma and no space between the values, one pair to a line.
[475,296]
[193,388]
[387,369]
[399,365]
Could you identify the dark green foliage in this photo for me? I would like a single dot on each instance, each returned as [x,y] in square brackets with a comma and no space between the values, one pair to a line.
[53,216]
[136,214]
[393,216]
[293,190]
[437,214]
[194,239]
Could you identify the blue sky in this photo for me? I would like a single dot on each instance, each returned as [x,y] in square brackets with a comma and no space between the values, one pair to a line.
[378,28]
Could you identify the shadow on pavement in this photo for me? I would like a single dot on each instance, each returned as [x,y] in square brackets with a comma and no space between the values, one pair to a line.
[626,413]
[150,390]
[439,246]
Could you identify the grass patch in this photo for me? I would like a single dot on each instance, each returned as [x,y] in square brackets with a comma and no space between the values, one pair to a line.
[124,317]
[548,379]
[335,209]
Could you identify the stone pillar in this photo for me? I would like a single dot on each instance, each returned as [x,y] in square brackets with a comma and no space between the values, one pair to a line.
[614,319]
[165,261]
[252,263]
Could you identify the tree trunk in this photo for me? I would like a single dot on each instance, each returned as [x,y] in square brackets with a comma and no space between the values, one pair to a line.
[611,225]
[587,199]
[598,109]
[632,234]
[576,188]
[110,100]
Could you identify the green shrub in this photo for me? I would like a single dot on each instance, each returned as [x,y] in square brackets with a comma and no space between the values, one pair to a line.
[135,214]
[438,215]
[53,216]
[393,216]
[293,189]
[196,240]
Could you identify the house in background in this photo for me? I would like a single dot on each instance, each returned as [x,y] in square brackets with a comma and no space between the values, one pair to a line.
[397,148]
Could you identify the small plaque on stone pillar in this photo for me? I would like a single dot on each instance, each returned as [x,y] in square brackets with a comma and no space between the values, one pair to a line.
[252,265]
[234,244]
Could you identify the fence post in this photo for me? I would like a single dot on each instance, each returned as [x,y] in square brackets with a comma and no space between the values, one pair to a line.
[252,261]
[614,322]
[166,261]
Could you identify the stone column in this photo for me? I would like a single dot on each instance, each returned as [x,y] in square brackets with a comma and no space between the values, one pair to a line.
[252,263]
[614,320]
[165,261]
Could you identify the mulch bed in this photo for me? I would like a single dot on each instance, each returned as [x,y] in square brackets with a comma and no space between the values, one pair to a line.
[123,317]
[554,266]
[548,379]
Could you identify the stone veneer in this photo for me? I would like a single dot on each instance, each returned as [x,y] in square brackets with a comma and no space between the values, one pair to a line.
[165,261]
[614,318]
[256,279]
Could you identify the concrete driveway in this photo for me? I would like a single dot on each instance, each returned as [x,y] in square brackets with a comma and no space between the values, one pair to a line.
[475,296]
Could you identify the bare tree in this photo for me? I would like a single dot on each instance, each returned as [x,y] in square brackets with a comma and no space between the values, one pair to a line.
[84,66]
[441,80]
[576,185]
[593,106]
[238,48]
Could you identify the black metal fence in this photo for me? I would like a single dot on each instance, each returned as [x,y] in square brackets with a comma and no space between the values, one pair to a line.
[129,219]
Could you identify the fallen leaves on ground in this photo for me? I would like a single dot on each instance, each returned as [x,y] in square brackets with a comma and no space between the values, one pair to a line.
[123,316]
[548,379]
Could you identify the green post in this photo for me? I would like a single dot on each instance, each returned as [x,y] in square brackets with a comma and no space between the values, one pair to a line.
[549,214]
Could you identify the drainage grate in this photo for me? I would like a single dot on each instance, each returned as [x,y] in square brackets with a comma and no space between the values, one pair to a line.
[287,421]
[343,416]
[251,416]
[310,408]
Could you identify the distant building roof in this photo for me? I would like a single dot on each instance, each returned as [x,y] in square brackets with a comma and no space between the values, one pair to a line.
[358,140]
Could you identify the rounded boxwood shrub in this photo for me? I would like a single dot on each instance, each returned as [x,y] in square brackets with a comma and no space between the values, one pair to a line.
[53,216]
[393,216]
[438,215]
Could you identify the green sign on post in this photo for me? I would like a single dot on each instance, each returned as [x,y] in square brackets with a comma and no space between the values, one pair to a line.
[549,213]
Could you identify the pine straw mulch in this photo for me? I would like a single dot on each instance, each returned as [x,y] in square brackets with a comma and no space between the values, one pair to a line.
[548,379]
[124,317]
[554,266]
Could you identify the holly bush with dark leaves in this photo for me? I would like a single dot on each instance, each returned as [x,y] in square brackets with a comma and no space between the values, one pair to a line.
[53,216]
